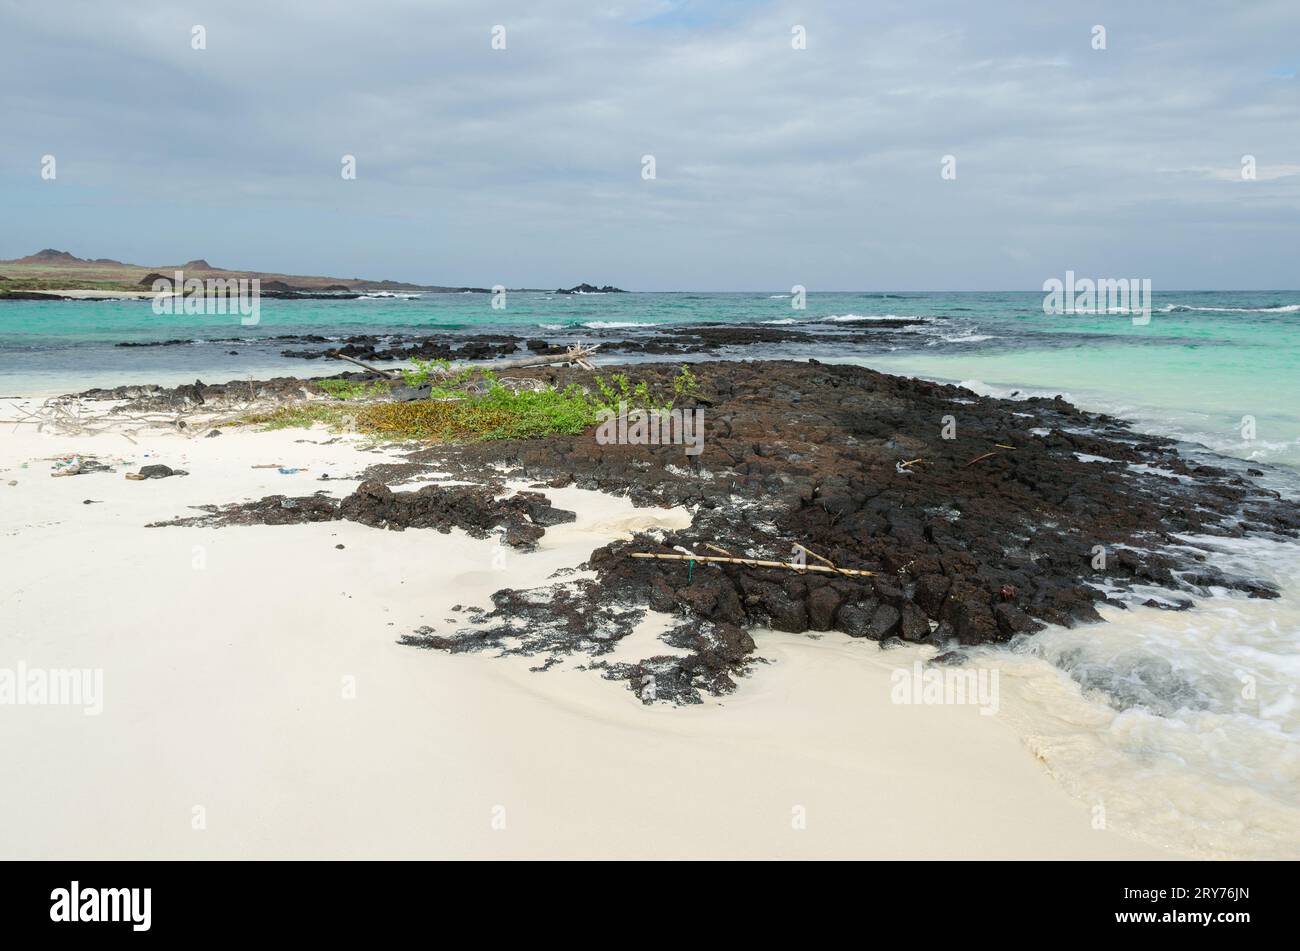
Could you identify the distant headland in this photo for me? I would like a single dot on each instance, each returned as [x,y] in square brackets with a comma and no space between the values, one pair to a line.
[48,273]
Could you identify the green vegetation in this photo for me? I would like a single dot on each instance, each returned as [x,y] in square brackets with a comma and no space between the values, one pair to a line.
[501,413]
[354,389]
[491,410]
[426,371]
[638,395]
[297,415]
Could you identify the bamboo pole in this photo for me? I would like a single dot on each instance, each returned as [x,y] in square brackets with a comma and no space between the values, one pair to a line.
[754,563]
[823,560]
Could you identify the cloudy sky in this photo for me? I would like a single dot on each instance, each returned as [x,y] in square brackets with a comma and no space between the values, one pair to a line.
[774,165]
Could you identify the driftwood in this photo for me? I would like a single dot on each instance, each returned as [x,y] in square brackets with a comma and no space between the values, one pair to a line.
[386,374]
[73,416]
[754,563]
[578,355]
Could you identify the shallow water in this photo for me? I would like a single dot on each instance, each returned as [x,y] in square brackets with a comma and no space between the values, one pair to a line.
[1182,727]
[1203,363]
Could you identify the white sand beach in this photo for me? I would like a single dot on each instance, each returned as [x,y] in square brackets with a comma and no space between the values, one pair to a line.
[81,293]
[256,704]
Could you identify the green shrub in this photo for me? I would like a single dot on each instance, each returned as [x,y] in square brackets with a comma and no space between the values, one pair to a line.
[490,410]
[638,396]
[354,389]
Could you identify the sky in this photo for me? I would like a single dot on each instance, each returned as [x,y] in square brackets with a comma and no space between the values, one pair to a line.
[773,165]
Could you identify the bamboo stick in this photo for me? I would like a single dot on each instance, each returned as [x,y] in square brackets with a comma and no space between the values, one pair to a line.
[754,563]
[809,551]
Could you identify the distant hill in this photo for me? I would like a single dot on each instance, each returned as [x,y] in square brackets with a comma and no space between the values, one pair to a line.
[51,268]
[50,256]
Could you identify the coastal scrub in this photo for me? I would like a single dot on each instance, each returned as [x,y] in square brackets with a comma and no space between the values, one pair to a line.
[471,404]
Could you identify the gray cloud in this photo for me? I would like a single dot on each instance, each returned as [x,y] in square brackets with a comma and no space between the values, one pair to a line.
[775,166]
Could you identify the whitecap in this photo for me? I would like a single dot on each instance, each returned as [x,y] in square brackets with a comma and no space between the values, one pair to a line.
[856,318]
[1282,309]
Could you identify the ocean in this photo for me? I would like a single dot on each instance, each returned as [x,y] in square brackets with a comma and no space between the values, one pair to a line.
[1182,727]
[1205,362]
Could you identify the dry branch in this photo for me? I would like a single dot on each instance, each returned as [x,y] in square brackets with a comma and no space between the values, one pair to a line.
[386,374]
[576,355]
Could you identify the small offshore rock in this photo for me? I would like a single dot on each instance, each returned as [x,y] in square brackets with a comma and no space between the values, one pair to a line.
[949,659]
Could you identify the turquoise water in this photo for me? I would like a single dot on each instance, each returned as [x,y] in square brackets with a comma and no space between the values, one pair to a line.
[1204,362]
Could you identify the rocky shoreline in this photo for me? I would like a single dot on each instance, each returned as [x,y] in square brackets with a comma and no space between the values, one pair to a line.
[670,341]
[980,520]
